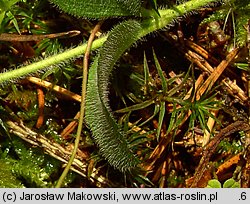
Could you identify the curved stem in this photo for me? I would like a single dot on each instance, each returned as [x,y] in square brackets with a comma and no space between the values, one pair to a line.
[83,101]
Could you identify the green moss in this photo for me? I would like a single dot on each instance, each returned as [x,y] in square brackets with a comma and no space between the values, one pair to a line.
[7,178]
[24,166]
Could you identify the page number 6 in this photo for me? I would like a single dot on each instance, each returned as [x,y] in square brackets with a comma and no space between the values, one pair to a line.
[243,196]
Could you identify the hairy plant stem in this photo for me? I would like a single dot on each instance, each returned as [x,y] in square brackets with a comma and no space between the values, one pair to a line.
[55,59]
[149,25]
[83,102]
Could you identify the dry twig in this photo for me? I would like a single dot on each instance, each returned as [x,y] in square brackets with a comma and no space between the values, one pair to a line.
[213,144]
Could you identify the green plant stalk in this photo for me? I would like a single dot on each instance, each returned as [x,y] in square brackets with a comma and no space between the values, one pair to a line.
[168,16]
[149,25]
[55,59]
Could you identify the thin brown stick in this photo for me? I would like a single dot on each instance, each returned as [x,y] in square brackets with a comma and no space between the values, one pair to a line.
[70,127]
[41,101]
[213,144]
[235,90]
[55,88]
[217,73]
[25,38]
[231,87]
[201,51]
[227,164]
[199,61]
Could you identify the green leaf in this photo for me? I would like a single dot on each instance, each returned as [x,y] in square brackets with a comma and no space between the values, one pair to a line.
[99,8]
[160,121]
[180,86]
[231,183]
[137,138]
[242,66]
[14,21]
[4,7]
[147,77]
[173,118]
[154,5]
[160,72]
[6,4]
[143,180]
[108,135]
[202,120]
[213,183]
[2,14]
[138,106]
[3,128]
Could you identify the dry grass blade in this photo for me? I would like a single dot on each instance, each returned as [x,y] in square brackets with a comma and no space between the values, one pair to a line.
[232,87]
[217,73]
[70,127]
[201,51]
[25,38]
[62,91]
[210,124]
[227,164]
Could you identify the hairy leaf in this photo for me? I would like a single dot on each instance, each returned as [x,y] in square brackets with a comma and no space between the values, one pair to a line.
[100,9]
[110,138]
